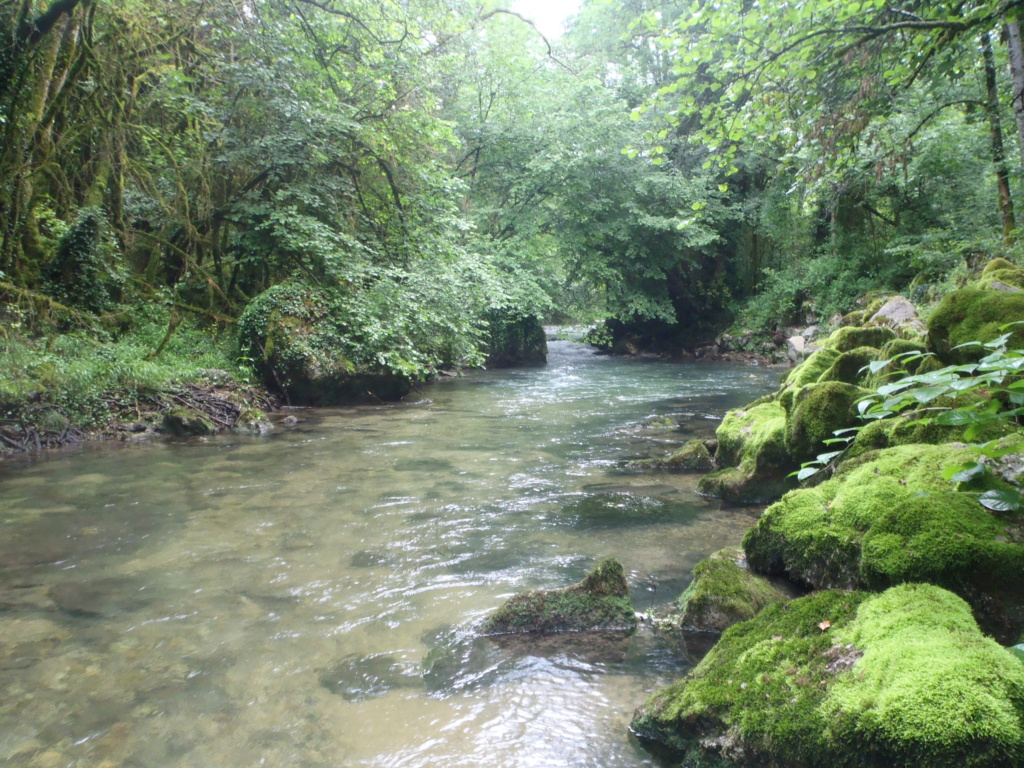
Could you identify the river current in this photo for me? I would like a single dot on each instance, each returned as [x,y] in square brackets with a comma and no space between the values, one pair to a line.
[310,598]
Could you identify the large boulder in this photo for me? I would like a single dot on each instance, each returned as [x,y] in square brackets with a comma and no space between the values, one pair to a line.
[815,412]
[599,602]
[298,339]
[890,517]
[752,450]
[973,315]
[903,678]
[724,592]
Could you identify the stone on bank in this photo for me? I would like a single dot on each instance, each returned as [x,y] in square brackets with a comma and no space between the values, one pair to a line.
[902,678]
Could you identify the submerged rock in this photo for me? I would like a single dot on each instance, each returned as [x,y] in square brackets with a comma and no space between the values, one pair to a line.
[839,678]
[891,517]
[599,602]
[724,592]
[694,456]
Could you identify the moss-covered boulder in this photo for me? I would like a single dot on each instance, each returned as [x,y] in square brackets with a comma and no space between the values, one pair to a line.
[693,456]
[903,678]
[811,369]
[515,339]
[724,592]
[852,337]
[815,412]
[187,422]
[890,517]
[751,448]
[898,368]
[851,367]
[599,602]
[298,339]
[253,420]
[1002,271]
[973,314]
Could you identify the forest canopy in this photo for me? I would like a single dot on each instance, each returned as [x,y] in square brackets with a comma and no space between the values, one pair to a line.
[675,168]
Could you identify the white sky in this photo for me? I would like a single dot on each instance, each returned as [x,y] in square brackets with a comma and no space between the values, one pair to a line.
[548,15]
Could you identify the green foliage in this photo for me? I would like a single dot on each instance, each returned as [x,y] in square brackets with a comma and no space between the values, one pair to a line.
[78,376]
[85,272]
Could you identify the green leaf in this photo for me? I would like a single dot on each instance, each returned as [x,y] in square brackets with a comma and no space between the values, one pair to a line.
[966,472]
[807,472]
[1001,501]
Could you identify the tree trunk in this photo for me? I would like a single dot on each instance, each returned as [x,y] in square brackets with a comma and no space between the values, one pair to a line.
[1015,46]
[996,130]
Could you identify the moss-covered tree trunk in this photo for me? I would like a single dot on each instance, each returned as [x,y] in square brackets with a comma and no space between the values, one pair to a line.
[998,152]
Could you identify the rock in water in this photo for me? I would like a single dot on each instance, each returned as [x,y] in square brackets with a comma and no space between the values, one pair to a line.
[599,602]
[724,592]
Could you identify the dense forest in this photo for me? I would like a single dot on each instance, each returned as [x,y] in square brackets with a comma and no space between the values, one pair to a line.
[414,186]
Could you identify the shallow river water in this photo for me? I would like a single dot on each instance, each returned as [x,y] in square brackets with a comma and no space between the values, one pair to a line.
[309,598]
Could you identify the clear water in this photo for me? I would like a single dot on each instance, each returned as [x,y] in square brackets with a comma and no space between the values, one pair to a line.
[310,598]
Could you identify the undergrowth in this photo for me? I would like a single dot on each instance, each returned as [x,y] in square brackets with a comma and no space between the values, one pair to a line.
[80,377]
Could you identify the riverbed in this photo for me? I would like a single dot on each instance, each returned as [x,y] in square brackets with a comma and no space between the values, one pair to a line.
[310,598]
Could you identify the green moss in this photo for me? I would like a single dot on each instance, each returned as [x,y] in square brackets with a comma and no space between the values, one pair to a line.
[850,367]
[694,456]
[975,315]
[762,684]
[848,338]
[817,411]
[810,370]
[888,518]
[599,602]
[1002,271]
[723,592]
[186,422]
[753,439]
[751,447]
[904,678]
[901,368]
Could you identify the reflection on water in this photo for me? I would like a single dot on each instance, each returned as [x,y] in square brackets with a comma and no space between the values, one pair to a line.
[309,598]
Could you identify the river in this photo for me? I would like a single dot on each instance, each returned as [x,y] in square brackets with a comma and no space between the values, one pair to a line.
[309,598]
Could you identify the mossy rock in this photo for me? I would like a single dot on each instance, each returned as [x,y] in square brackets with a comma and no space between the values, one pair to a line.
[298,338]
[736,486]
[253,420]
[752,437]
[855,318]
[817,411]
[898,368]
[890,517]
[850,367]
[187,422]
[848,338]
[515,339]
[752,450]
[902,678]
[1003,271]
[811,369]
[973,315]
[724,592]
[692,457]
[599,602]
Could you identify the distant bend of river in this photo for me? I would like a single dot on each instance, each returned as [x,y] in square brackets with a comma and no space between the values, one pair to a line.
[309,598]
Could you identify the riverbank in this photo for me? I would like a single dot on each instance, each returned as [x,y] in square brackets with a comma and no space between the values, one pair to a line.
[897,450]
[62,386]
